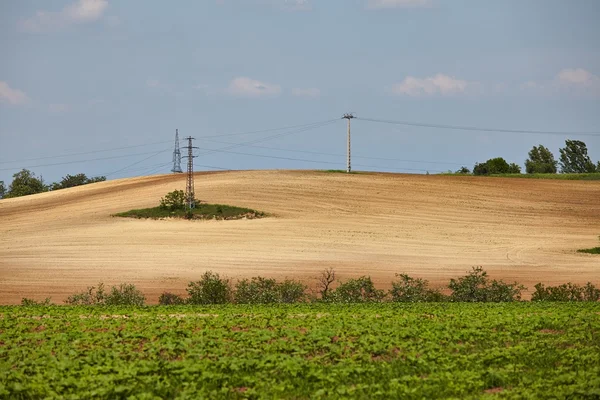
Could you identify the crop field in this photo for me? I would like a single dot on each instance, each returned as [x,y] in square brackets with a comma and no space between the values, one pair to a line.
[433,227]
[461,350]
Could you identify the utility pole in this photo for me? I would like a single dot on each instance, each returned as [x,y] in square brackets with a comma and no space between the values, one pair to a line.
[177,154]
[348,116]
[189,188]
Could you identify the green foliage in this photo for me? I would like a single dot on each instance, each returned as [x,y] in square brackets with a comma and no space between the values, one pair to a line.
[2,189]
[566,292]
[574,158]
[593,250]
[170,299]
[540,161]
[463,170]
[210,289]
[25,183]
[202,211]
[76,180]
[122,295]
[476,287]
[594,176]
[259,290]
[30,302]
[314,351]
[409,289]
[174,200]
[495,166]
[359,290]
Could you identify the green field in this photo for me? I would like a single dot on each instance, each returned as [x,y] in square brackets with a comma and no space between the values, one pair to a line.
[460,350]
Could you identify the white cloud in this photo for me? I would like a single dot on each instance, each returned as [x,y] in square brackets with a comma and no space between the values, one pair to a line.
[379,4]
[574,80]
[81,11]
[246,87]
[578,77]
[437,84]
[306,92]
[12,96]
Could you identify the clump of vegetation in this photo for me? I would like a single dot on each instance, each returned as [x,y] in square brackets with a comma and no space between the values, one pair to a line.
[170,299]
[566,292]
[259,290]
[123,295]
[30,302]
[593,250]
[409,289]
[496,166]
[476,287]
[574,158]
[359,290]
[174,200]
[210,289]
[540,161]
[26,183]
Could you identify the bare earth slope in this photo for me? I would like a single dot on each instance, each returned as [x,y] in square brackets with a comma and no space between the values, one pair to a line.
[436,227]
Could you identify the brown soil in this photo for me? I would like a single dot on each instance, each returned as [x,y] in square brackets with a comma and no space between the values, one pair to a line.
[434,227]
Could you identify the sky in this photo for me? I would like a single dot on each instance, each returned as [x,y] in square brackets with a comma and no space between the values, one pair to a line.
[99,86]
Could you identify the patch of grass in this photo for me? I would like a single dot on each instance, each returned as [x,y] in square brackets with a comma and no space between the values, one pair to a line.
[593,250]
[202,211]
[339,171]
[593,176]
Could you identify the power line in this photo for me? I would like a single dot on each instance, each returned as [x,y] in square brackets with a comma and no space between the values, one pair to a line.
[270,129]
[137,162]
[473,128]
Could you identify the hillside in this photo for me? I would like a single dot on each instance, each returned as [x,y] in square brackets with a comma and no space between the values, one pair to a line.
[435,227]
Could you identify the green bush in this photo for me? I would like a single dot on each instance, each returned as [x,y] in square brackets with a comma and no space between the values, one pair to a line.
[409,289]
[210,289]
[170,299]
[291,291]
[566,292]
[174,200]
[92,296]
[360,290]
[476,287]
[30,302]
[258,290]
[125,295]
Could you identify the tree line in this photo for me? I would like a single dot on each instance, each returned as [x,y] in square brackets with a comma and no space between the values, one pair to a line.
[574,159]
[25,183]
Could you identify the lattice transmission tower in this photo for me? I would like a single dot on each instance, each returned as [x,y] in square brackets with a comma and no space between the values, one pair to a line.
[189,187]
[177,155]
[348,116]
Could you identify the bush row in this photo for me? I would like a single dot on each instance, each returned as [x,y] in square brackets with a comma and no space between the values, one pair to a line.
[476,286]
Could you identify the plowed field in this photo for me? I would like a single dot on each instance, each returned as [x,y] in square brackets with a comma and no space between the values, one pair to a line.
[435,227]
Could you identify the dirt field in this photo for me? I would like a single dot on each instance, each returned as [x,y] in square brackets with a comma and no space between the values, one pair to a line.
[435,227]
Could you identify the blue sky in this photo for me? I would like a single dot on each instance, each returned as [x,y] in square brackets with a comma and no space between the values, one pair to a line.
[82,76]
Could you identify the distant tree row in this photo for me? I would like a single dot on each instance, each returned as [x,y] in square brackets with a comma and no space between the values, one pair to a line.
[574,159]
[25,183]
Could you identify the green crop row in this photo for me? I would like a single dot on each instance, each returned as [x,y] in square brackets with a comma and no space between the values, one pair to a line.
[309,351]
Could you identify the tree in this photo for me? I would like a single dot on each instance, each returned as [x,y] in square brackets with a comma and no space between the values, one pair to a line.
[2,189]
[174,200]
[25,183]
[76,180]
[574,158]
[496,165]
[463,170]
[540,161]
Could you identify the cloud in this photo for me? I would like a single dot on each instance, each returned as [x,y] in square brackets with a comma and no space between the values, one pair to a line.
[437,84]
[12,96]
[306,92]
[81,11]
[246,87]
[381,4]
[574,80]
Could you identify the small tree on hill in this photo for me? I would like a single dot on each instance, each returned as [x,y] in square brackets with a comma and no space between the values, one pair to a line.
[463,170]
[25,183]
[76,180]
[496,165]
[574,158]
[540,161]
[2,189]
[174,200]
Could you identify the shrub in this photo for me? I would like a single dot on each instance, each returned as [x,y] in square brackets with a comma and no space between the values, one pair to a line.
[174,200]
[566,292]
[30,302]
[170,299]
[496,166]
[291,291]
[476,287]
[125,295]
[92,296]
[360,290]
[210,289]
[258,290]
[409,289]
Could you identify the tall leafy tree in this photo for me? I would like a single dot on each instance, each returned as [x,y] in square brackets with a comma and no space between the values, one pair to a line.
[574,158]
[541,161]
[496,165]
[2,189]
[25,183]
